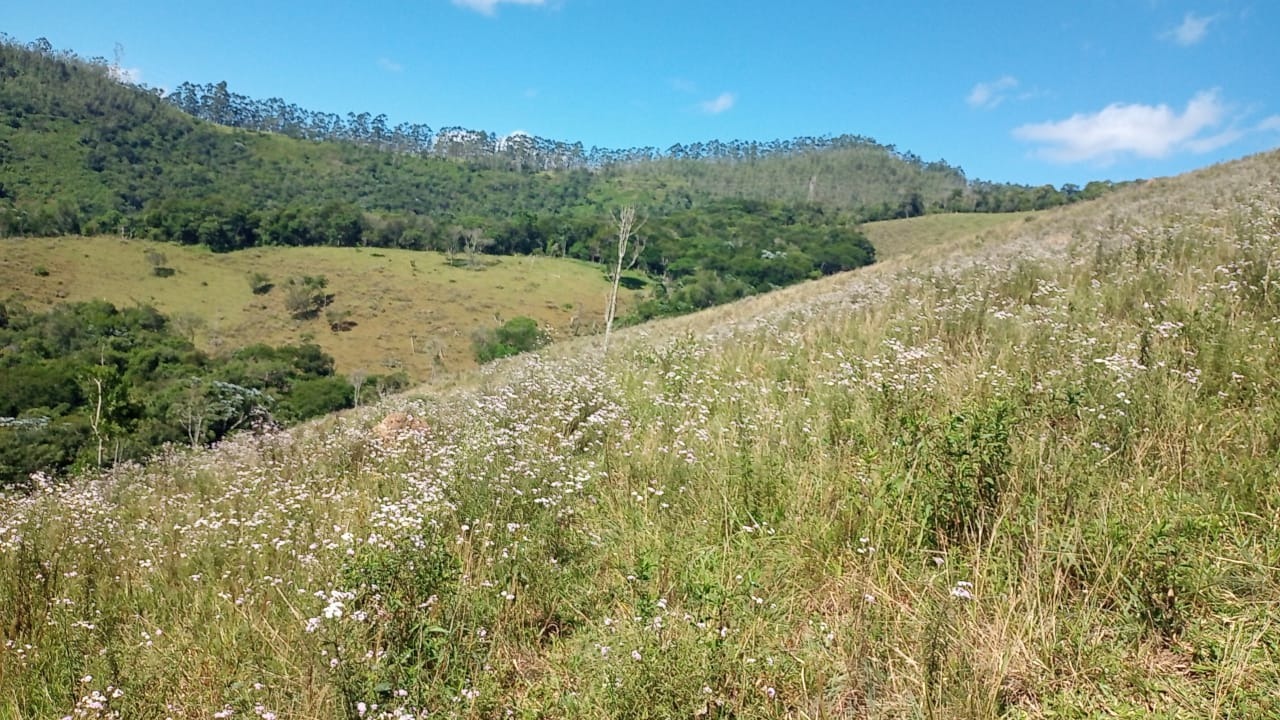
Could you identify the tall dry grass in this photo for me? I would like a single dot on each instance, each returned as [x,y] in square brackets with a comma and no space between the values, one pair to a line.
[1029,477]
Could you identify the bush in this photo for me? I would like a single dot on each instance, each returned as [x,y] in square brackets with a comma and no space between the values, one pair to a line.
[409,590]
[305,297]
[260,283]
[316,396]
[964,469]
[159,264]
[517,335]
[375,387]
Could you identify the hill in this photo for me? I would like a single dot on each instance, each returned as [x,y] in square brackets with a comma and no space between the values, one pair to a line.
[847,172]
[202,165]
[1028,475]
[88,154]
[394,309]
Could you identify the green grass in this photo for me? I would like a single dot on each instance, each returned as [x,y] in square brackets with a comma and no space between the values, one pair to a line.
[411,310]
[896,238]
[1033,479]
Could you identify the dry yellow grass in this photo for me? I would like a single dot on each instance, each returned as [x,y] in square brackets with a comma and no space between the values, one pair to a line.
[412,310]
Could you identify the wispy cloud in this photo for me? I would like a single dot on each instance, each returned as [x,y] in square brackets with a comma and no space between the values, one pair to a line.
[987,95]
[1270,123]
[390,65]
[683,85]
[1119,130]
[718,104]
[490,7]
[1191,31]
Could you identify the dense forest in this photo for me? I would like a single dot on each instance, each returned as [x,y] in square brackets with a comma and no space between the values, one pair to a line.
[87,384]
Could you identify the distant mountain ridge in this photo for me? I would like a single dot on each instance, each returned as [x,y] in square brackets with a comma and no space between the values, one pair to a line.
[86,152]
[851,172]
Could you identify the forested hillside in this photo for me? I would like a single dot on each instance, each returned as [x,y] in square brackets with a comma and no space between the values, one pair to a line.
[86,153]
[849,172]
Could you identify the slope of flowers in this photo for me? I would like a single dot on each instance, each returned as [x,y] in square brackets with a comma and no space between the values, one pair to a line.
[1035,478]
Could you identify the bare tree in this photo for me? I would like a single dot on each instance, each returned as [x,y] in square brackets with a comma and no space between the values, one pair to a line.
[102,385]
[187,325]
[475,242]
[357,382]
[192,410]
[627,229]
[95,420]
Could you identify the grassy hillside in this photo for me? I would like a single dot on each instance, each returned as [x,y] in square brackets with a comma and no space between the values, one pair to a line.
[411,310]
[894,238]
[408,310]
[1030,479]
[850,173]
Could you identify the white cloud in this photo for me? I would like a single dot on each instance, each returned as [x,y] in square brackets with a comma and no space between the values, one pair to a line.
[1191,31]
[390,65]
[988,95]
[1269,123]
[1142,130]
[490,7]
[718,104]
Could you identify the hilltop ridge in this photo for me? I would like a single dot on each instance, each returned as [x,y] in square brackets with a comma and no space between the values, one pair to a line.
[90,154]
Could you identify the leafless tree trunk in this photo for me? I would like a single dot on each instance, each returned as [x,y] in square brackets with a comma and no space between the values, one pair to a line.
[95,422]
[193,410]
[357,382]
[475,242]
[627,227]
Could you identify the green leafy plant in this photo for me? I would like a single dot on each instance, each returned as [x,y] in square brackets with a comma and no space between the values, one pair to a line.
[260,283]
[515,336]
[964,465]
[305,296]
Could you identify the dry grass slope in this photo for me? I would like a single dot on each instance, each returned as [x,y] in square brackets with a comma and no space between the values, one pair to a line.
[411,310]
[1028,479]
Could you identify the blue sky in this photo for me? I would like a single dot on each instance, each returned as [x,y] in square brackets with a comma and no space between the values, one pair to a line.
[1023,92]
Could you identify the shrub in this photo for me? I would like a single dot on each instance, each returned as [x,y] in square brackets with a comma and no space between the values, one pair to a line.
[260,283]
[305,296]
[159,264]
[409,591]
[965,464]
[517,335]
[317,396]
